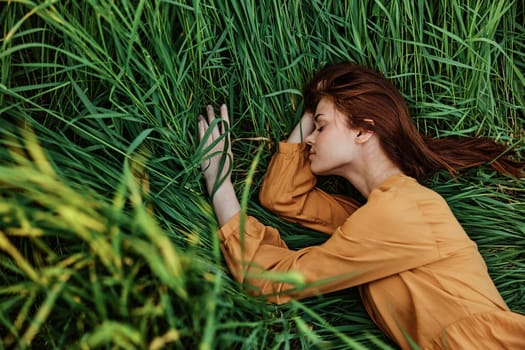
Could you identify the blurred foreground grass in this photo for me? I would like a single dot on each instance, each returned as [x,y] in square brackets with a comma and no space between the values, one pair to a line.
[106,234]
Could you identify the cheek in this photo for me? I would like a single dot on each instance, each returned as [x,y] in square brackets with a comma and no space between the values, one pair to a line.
[322,137]
[328,141]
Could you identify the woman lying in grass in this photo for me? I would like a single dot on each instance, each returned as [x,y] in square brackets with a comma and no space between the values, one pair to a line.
[420,277]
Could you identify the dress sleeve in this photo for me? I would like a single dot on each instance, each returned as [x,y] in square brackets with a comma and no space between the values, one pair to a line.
[289,190]
[367,247]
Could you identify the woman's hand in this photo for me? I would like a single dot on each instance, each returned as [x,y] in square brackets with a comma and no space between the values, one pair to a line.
[304,128]
[218,163]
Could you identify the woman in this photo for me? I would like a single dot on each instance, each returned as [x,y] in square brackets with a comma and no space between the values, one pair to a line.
[420,277]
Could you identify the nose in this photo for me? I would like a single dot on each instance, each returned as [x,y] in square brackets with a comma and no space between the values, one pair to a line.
[310,139]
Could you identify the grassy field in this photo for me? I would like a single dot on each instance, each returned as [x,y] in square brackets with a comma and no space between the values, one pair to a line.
[107,237]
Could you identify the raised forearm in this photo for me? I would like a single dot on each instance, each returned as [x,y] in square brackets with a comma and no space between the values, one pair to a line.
[304,128]
[224,199]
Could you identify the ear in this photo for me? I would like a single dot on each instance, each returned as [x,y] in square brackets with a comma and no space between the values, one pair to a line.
[363,134]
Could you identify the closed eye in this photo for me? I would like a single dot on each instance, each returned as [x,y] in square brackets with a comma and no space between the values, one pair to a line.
[319,129]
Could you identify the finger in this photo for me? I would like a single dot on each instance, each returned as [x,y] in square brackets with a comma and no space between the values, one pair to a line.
[225,118]
[203,126]
[226,124]
[308,115]
[211,114]
[211,117]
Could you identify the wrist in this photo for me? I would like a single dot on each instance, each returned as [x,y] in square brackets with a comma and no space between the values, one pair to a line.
[212,186]
[304,128]
[307,123]
[225,202]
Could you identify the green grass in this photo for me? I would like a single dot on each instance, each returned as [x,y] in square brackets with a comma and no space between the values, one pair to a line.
[106,233]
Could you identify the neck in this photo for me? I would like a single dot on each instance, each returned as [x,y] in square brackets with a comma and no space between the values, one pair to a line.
[370,171]
[367,183]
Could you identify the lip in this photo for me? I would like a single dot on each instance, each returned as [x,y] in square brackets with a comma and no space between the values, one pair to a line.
[311,155]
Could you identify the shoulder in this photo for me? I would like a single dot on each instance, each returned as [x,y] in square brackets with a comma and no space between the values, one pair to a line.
[402,192]
[395,207]
[399,194]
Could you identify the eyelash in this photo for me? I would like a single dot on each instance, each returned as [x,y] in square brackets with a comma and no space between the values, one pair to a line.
[319,129]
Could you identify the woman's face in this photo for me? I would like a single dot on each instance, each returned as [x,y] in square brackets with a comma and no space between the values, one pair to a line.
[332,143]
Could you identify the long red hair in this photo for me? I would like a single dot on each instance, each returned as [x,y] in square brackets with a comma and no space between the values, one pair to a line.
[363,94]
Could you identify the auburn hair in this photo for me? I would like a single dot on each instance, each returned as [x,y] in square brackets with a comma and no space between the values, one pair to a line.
[372,102]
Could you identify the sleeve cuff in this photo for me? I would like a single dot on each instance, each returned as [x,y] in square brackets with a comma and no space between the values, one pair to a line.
[230,227]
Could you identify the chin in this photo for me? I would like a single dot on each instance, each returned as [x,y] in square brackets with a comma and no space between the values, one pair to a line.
[317,171]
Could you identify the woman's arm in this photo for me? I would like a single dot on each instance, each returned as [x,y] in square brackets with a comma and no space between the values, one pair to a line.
[341,262]
[288,191]
[289,187]
[368,247]
[304,128]
[224,199]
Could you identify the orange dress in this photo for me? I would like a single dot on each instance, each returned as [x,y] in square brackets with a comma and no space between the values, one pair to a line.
[419,275]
